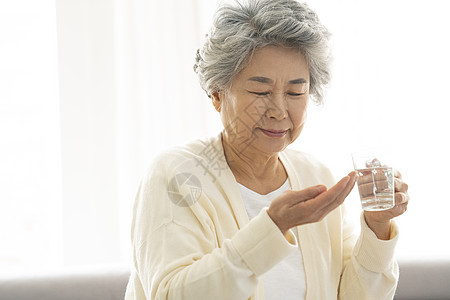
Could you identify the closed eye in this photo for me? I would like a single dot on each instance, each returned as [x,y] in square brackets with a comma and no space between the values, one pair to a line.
[267,93]
[259,93]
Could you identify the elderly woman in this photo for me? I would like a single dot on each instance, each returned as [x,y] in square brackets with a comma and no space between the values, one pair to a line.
[239,216]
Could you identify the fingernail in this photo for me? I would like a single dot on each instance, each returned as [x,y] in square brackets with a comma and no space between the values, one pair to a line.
[346,179]
[321,188]
[353,175]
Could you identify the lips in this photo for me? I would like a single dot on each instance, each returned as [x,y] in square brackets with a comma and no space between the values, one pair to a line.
[274,132]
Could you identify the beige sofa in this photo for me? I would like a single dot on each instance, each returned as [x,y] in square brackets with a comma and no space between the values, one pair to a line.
[418,280]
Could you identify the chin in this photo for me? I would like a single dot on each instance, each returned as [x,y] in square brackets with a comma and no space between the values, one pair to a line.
[275,146]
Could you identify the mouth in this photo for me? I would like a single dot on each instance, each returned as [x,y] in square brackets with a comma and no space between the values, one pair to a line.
[274,132]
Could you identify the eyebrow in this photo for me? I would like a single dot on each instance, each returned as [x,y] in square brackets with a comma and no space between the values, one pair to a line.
[270,81]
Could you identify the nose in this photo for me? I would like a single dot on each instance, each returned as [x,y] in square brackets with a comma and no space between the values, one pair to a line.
[276,107]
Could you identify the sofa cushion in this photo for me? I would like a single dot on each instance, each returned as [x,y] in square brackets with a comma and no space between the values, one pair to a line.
[92,283]
[424,280]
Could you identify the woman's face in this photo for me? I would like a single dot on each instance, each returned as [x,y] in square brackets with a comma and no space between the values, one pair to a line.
[265,108]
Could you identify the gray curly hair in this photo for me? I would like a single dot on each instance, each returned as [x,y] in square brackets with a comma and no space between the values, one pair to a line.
[241,29]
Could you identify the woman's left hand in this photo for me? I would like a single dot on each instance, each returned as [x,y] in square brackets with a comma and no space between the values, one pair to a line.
[380,221]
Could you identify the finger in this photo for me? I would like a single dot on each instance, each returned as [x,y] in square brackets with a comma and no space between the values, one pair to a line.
[367,189]
[324,199]
[350,184]
[400,186]
[403,207]
[305,194]
[401,198]
[316,209]
[338,199]
[399,209]
[342,184]
[397,174]
[371,175]
[348,188]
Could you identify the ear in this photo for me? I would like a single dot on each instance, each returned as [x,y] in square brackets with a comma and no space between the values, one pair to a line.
[216,99]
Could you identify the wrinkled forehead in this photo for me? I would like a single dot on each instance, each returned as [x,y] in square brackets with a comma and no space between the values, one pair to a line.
[272,64]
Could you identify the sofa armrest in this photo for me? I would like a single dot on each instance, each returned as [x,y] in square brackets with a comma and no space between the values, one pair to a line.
[424,280]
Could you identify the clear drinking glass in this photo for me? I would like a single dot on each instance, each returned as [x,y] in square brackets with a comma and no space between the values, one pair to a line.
[375,179]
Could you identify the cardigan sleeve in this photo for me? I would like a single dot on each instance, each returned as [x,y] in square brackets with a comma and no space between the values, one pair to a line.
[177,254]
[370,270]
[338,264]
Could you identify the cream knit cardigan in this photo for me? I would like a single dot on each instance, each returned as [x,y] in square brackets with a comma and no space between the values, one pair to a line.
[208,248]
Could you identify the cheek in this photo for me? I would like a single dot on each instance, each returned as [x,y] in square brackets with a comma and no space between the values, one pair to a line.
[248,110]
[298,115]
[237,118]
[255,110]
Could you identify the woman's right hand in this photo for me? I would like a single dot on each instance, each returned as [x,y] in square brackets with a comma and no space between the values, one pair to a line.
[294,208]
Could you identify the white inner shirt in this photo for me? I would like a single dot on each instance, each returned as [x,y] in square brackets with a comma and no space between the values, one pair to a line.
[287,279]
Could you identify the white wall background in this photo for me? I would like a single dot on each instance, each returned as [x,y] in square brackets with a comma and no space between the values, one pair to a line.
[91,90]
[30,148]
[390,87]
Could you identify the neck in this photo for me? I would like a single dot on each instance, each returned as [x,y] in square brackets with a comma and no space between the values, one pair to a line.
[261,172]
